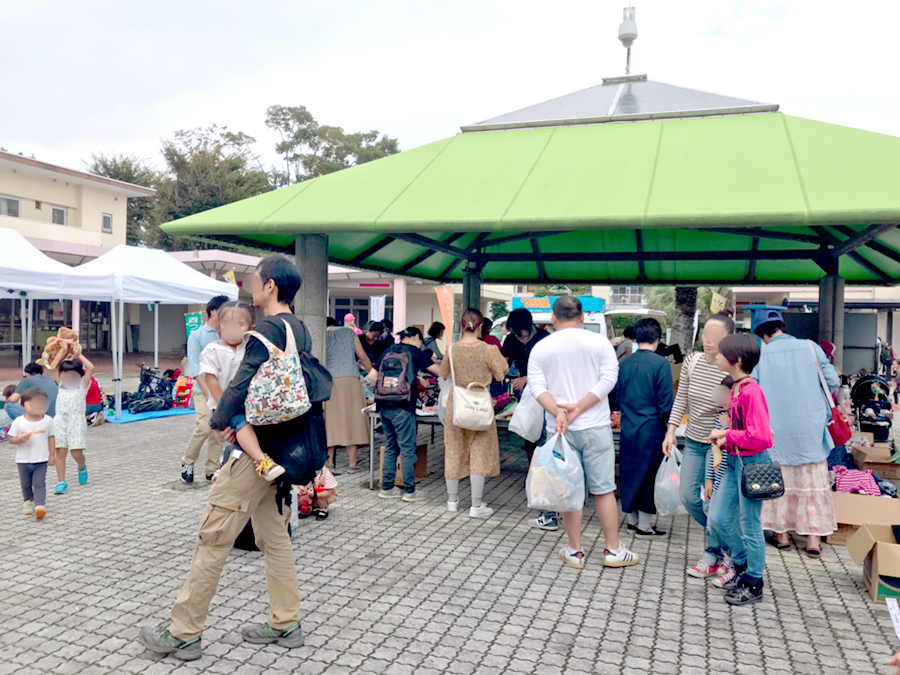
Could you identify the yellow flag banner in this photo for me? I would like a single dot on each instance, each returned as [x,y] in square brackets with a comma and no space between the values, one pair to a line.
[229,277]
[718,303]
[445,302]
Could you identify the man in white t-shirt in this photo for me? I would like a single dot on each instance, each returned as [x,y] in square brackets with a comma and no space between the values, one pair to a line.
[571,374]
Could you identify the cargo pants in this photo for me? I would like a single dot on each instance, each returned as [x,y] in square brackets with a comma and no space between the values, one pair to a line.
[237,496]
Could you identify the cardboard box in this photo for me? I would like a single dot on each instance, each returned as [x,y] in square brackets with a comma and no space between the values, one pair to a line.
[875,459]
[876,550]
[854,510]
[421,466]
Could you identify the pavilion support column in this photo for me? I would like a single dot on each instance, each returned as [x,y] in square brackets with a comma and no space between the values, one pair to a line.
[399,304]
[471,295]
[831,314]
[311,303]
[76,316]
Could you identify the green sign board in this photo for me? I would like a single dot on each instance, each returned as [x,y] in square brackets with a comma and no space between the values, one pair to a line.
[192,322]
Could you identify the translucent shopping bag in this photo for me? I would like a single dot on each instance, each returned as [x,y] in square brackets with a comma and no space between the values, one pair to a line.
[667,490]
[555,479]
[528,420]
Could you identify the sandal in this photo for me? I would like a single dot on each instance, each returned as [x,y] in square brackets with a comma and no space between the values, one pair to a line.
[772,540]
[321,514]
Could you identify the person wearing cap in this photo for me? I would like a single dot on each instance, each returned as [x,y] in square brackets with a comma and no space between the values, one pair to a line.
[350,322]
[788,373]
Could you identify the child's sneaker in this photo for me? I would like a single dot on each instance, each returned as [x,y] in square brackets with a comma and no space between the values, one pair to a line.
[726,574]
[28,508]
[82,475]
[268,469]
[40,512]
[624,558]
[703,571]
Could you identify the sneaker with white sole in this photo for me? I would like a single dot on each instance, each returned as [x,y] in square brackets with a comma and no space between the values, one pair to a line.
[187,473]
[28,508]
[726,574]
[575,560]
[624,558]
[413,497]
[393,493]
[453,507]
[40,512]
[483,511]
[703,570]
[548,521]
[266,468]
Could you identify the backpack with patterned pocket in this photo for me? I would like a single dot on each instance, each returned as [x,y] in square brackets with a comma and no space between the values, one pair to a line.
[277,392]
[395,377]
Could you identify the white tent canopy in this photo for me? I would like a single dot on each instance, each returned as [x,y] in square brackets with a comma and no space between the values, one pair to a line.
[144,275]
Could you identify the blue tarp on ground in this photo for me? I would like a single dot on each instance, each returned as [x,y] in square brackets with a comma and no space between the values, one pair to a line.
[128,417]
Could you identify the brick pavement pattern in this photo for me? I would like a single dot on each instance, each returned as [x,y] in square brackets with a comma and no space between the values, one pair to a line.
[395,588]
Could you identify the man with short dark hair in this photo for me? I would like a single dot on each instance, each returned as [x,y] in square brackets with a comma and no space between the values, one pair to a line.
[34,377]
[239,494]
[202,336]
[571,374]
[373,341]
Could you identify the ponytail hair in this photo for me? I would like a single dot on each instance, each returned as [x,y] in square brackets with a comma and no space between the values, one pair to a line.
[410,332]
[471,321]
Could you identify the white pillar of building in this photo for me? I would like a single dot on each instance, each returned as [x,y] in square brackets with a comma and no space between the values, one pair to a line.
[76,317]
[399,304]
[311,303]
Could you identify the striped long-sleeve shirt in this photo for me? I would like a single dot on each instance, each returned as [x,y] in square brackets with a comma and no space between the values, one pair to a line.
[696,397]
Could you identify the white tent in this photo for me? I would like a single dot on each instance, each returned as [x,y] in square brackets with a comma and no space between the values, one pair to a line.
[27,274]
[144,275]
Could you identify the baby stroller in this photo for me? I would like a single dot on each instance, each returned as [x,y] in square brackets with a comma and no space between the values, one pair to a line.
[872,407]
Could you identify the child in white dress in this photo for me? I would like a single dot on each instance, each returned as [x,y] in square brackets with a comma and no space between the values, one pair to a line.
[74,379]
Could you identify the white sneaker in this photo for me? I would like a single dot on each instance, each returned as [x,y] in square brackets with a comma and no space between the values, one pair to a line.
[28,508]
[546,521]
[624,558]
[453,507]
[483,511]
[390,494]
[572,560]
[413,497]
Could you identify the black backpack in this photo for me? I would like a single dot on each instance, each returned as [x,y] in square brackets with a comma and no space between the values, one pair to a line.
[887,354]
[395,376]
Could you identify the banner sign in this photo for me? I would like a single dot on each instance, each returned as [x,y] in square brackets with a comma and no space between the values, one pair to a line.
[376,307]
[192,322]
[588,304]
[445,302]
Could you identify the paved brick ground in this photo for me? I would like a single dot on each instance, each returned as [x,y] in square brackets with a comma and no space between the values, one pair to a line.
[398,588]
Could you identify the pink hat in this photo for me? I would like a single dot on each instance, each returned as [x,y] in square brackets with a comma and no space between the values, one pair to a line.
[349,317]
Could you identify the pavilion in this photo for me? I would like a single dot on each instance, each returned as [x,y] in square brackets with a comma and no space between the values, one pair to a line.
[628,182]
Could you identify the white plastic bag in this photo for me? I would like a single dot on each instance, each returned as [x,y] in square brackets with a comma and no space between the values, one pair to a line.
[528,420]
[555,479]
[444,389]
[667,490]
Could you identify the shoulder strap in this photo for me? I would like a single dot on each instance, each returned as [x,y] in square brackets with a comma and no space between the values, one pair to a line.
[273,350]
[821,375]
[290,344]
[450,356]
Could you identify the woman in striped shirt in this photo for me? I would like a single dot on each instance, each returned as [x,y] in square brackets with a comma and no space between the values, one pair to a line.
[696,397]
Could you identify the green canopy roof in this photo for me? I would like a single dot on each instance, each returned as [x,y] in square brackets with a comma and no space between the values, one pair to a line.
[749,198]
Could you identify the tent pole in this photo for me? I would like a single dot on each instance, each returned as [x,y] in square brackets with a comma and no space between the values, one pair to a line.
[24,334]
[156,335]
[115,360]
[121,350]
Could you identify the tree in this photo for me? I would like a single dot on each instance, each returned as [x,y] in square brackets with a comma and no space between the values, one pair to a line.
[498,310]
[683,318]
[554,290]
[206,168]
[143,219]
[310,149]
[680,306]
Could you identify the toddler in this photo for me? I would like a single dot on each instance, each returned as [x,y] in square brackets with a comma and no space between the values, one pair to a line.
[33,433]
[716,464]
[219,363]
[319,496]
[735,517]
[74,379]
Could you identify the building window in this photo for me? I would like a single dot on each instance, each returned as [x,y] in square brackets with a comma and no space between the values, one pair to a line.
[58,215]
[627,295]
[9,207]
[107,223]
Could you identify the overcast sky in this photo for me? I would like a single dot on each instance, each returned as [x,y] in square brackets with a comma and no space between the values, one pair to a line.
[113,76]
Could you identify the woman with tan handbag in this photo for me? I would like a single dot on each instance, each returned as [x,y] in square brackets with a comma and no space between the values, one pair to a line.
[471,364]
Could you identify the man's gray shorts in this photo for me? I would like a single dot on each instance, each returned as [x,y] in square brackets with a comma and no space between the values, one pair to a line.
[597,452]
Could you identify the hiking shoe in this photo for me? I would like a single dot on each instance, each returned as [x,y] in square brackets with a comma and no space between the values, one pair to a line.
[703,571]
[28,508]
[413,497]
[744,594]
[160,641]
[548,520]
[82,475]
[393,493]
[726,574]
[268,469]
[624,558]
[187,473]
[575,560]
[649,534]
[61,487]
[40,512]
[264,634]
[483,511]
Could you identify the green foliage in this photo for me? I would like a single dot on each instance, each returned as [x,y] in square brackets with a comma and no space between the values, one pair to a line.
[310,149]
[143,219]
[553,290]
[498,310]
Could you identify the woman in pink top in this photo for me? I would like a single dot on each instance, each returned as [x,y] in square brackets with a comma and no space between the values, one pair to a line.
[736,518]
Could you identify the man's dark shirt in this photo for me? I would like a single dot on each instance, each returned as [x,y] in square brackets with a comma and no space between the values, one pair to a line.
[518,353]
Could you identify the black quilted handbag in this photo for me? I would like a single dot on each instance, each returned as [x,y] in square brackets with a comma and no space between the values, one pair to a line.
[760,482]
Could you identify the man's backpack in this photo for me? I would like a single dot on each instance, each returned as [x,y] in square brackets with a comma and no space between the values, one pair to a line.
[887,354]
[395,377]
